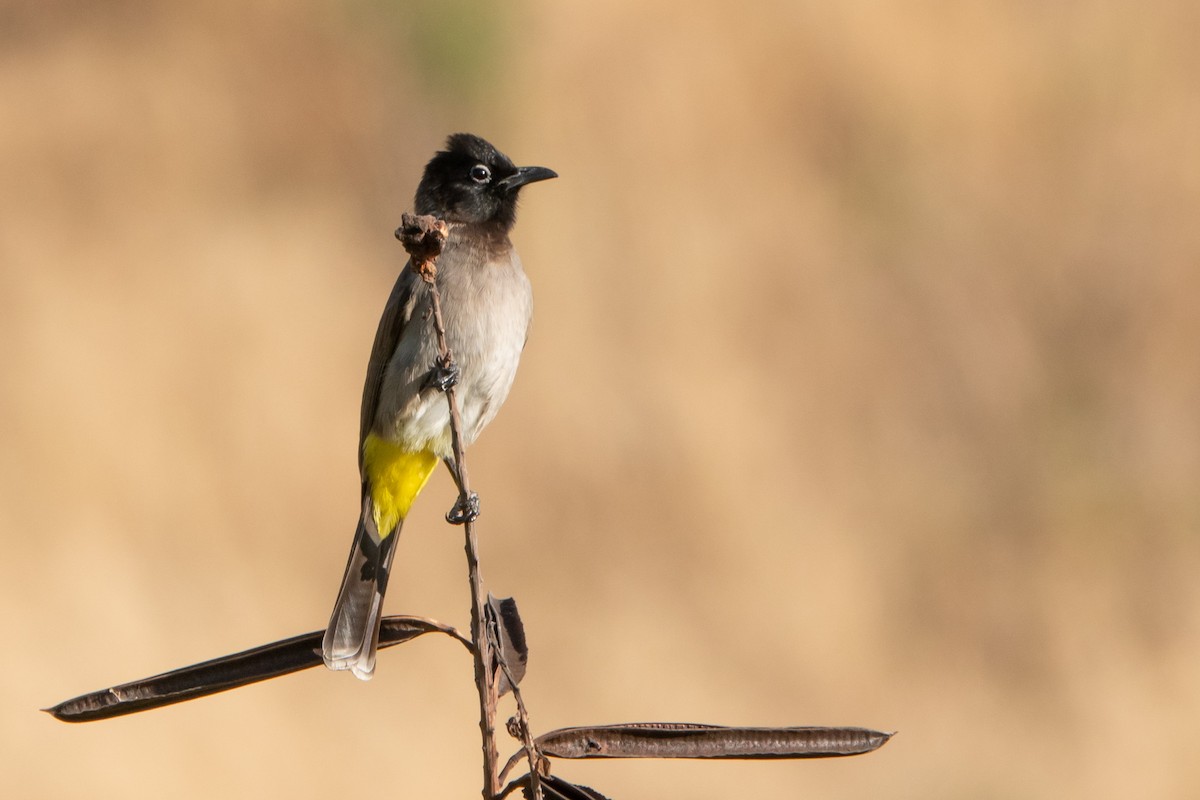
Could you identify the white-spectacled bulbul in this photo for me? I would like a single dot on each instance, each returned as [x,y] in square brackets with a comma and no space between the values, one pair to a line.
[405,423]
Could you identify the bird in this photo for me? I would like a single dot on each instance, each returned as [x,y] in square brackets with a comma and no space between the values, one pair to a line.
[404,426]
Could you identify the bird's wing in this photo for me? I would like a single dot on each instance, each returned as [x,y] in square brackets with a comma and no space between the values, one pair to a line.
[396,315]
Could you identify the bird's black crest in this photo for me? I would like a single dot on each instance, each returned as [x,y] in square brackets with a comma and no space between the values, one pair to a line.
[474,148]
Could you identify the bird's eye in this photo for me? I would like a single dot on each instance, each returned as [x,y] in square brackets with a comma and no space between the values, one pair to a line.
[480,173]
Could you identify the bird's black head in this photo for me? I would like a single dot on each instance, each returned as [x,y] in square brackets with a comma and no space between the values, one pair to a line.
[471,181]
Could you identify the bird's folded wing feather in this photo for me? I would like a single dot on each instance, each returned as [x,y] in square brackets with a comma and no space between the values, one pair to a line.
[396,315]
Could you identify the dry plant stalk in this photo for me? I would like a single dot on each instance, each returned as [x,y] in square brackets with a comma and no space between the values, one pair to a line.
[423,237]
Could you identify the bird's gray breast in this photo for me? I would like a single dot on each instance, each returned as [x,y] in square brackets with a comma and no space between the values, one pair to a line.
[486,304]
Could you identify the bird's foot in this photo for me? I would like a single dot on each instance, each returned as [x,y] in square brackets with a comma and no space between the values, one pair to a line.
[466,509]
[443,375]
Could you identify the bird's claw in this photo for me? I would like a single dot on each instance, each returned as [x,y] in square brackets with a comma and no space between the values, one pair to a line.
[443,375]
[466,509]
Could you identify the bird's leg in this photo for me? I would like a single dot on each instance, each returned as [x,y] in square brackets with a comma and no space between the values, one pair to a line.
[466,507]
[449,462]
[443,375]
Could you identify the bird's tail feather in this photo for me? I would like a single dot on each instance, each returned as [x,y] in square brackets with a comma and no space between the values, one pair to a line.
[353,633]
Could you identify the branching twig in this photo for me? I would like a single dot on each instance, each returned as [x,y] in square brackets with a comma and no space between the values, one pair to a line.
[521,725]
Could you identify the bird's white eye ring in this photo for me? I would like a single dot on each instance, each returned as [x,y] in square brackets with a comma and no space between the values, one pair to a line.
[480,173]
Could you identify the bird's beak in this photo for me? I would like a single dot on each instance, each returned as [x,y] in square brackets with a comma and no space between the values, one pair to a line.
[526,175]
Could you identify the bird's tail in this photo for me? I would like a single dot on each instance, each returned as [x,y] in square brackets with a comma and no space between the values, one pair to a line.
[394,478]
[353,633]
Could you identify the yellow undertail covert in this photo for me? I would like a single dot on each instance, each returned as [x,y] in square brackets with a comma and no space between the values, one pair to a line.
[396,477]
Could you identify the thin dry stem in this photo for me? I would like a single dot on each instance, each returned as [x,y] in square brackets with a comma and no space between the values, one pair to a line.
[526,735]
[423,240]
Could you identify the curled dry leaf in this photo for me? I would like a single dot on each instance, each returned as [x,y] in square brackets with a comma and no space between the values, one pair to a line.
[504,619]
[555,788]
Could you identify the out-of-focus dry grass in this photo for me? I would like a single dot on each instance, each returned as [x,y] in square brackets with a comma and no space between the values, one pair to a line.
[863,387]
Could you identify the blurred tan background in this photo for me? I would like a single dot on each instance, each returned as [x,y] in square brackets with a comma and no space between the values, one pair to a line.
[863,387]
